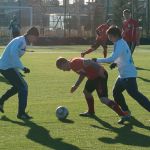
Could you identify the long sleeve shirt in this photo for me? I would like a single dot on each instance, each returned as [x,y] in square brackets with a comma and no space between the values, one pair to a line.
[121,55]
[12,53]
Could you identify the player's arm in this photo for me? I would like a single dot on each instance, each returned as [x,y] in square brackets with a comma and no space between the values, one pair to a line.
[115,54]
[93,48]
[78,82]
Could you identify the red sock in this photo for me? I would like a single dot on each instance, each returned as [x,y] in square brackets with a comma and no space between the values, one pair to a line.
[115,107]
[90,103]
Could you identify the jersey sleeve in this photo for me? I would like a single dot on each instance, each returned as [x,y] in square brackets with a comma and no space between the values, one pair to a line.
[115,54]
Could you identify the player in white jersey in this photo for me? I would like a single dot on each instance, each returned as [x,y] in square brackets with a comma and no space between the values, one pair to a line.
[127,72]
[10,65]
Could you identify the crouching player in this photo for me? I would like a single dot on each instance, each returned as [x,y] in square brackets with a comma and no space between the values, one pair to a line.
[97,80]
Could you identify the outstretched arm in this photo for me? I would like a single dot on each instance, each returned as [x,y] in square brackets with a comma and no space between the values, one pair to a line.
[78,82]
[93,48]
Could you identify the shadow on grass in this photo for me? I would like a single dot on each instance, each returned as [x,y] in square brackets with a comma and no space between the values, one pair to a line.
[139,68]
[145,80]
[41,135]
[125,135]
[66,121]
[2,79]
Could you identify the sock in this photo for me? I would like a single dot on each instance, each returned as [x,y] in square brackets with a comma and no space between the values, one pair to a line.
[114,106]
[90,103]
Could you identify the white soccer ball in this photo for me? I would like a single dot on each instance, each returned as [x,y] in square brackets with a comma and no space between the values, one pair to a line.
[62,112]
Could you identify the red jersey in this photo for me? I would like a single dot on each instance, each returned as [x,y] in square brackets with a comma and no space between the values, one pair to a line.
[101,32]
[77,65]
[129,30]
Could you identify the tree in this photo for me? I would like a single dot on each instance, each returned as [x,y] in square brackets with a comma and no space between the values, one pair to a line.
[119,6]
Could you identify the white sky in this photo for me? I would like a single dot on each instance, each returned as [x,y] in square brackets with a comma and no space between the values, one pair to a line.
[61,1]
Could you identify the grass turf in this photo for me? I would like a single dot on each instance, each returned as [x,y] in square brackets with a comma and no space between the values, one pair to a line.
[49,88]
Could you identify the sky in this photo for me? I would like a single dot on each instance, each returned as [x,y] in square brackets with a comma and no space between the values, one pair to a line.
[61,1]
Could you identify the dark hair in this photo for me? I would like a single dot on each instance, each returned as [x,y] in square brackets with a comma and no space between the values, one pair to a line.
[60,61]
[126,11]
[115,31]
[33,31]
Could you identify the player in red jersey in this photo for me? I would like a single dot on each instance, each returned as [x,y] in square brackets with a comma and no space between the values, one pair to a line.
[130,30]
[97,80]
[101,39]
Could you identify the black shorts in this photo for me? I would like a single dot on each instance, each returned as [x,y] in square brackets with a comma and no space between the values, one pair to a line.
[99,84]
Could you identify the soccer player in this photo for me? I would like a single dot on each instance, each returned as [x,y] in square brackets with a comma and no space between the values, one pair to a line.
[130,30]
[127,72]
[101,39]
[97,80]
[10,65]
[14,27]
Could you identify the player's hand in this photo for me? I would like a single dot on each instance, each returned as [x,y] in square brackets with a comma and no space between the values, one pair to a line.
[26,70]
[73,88]
[82,54]
[113,65]
[94,59]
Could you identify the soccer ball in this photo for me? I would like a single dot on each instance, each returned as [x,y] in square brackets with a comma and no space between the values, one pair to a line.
[62,112]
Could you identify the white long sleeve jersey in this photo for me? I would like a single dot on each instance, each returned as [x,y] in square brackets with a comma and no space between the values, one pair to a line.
[122,56]
[12,53]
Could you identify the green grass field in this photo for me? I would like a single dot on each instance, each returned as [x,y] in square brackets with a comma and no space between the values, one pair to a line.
[50,88]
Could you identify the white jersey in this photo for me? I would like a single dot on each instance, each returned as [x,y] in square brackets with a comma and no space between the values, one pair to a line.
[12,53]
[122,57]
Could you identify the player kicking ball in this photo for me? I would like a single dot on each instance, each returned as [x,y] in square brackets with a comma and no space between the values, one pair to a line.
[97,80]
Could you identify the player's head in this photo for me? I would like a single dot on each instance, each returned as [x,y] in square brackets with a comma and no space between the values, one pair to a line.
[32,34]
[113,33]
[127,14]
[63,64]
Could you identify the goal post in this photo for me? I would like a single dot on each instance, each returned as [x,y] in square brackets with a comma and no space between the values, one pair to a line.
[24,17]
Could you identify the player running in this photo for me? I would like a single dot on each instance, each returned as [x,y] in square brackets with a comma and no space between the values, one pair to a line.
[97,80]
[127,72]
[101,39]
[10,65]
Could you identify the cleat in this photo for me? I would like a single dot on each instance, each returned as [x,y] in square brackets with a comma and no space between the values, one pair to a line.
[87,114]
[123,119]
[1,109]
[24,116]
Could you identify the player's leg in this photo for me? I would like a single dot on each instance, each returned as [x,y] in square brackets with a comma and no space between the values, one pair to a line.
[117,94]
[15,79]
[119,98]
[132,89]
[104,45]
[12,91]
[102,91]
[89,88]
[132,46]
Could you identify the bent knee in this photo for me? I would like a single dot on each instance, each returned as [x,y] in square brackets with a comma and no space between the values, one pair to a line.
[104,100]
[86,93]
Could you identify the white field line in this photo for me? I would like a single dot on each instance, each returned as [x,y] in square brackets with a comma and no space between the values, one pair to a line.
[53,52]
